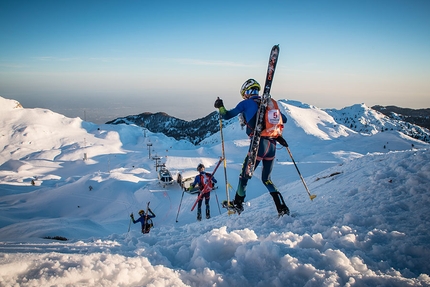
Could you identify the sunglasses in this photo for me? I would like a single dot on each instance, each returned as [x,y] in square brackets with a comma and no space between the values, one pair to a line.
[251,92]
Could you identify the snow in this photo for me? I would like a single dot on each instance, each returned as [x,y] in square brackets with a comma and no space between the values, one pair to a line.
[368,225]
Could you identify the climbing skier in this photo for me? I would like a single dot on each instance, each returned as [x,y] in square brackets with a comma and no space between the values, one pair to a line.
[144,219]
[248,108]
[202,179]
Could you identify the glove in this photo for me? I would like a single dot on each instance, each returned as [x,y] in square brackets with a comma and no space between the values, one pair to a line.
[131,215]
[218,103]
[190,188]
[282,141]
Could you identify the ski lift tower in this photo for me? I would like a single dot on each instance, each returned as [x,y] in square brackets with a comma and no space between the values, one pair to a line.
[144,130]
[157,159]
[149,144]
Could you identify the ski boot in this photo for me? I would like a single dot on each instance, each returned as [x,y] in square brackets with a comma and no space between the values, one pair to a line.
[235,205]
[208,214]
[283,211]
[280,203]
[199,216]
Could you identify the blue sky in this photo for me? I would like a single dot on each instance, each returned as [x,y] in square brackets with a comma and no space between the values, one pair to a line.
[119,57]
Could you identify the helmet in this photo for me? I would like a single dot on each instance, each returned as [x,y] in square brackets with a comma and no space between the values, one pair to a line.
[249,85]
[141,212]
[200,167]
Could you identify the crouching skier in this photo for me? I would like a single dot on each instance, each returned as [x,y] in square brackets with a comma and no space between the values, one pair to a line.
[144,219]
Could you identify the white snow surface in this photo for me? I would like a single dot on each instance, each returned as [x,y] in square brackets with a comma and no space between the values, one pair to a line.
[368,225]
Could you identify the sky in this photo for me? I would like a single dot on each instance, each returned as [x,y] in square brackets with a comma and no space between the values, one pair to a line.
[367,226]
[101,59]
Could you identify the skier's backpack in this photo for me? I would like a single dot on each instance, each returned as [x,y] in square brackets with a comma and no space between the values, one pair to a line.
[273,124]
[148,226]
[203,181]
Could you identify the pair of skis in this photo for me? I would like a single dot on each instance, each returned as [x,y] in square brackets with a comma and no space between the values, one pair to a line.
[259,122]
[145,228]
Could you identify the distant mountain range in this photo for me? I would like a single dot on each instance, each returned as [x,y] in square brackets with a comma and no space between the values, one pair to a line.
[194,131]
[359,118]
[420,117]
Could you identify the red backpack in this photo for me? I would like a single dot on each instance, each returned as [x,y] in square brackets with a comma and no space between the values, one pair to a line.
[204,179]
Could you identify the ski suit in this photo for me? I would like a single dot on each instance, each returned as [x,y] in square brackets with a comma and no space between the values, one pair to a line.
[266,151]
[198,180]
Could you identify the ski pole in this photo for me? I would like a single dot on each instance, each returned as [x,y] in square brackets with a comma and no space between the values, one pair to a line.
[227,185]
[217,202]
[283,142]
[225,161]
[180,203]
[129,225]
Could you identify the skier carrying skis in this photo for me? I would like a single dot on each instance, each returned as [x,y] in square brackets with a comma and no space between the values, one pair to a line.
[144,219]
[267,148]
[202,179]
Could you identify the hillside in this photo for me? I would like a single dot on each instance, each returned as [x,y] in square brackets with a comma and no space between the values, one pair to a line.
[359,118]
[366,227]
[420,117]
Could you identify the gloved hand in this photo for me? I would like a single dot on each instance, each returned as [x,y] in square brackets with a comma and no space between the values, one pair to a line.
[131,215]
[190,188]
[218,103]
[282,141]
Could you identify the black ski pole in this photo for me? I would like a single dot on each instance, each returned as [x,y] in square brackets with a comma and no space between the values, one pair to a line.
[180,203]
[217,202]
[283,142]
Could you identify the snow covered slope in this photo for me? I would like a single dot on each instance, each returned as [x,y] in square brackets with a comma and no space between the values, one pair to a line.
[368,225]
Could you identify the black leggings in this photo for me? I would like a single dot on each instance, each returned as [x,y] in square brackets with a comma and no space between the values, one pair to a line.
[266,154]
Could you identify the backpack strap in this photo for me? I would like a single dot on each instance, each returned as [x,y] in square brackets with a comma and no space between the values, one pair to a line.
[202,182]
[258,102]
